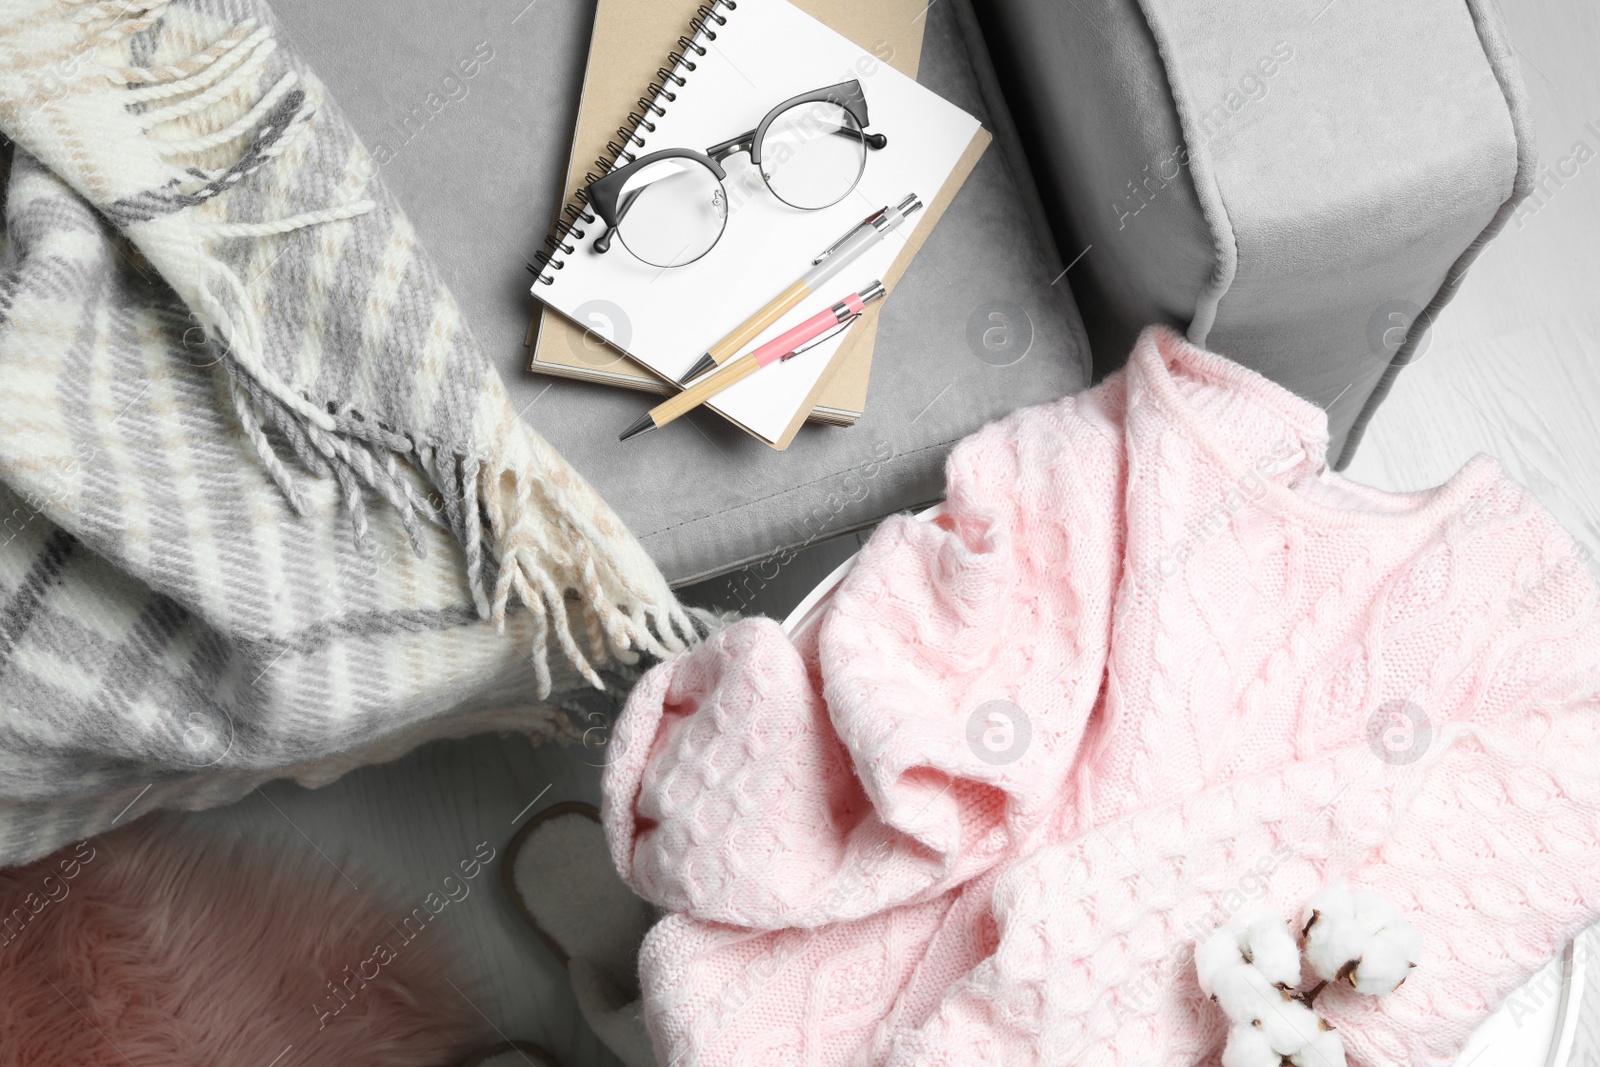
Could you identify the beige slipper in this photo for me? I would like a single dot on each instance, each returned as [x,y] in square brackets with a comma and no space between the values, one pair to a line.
[558,873]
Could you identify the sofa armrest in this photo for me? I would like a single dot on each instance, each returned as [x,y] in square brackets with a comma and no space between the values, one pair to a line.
[1293,184]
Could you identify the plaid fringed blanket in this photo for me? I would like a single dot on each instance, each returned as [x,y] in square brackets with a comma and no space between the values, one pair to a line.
[266,508]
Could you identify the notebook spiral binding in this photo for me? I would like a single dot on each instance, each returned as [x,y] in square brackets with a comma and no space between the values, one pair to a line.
[707,19]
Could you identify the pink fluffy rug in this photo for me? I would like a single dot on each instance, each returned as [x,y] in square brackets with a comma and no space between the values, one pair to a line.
[156,946]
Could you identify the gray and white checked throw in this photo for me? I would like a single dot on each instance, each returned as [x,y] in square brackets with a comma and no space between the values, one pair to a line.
[266,509]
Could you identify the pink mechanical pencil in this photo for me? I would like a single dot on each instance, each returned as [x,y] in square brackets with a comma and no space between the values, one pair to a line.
[782,347]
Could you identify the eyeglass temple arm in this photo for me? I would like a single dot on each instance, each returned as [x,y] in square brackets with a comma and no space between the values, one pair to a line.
[745,140]
[873,141]
[603,242]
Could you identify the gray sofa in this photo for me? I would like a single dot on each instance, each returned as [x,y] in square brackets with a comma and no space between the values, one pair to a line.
[1354,185]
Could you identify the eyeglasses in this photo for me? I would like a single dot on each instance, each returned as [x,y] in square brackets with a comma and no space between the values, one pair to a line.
[670,207]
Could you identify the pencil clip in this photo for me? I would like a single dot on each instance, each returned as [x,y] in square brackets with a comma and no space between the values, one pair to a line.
[814,342]
[851,232]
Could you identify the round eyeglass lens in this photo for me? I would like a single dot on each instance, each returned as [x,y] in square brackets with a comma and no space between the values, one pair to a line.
[671,212]
[812,154]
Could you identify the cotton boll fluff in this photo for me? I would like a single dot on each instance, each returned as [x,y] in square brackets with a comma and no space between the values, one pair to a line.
[1249,1047]
[1325,1049]
[1245,994]
[1285,1032]
[1258,938]
[1360,938]
[1290,1027]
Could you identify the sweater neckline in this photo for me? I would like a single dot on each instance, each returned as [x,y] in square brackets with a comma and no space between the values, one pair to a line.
[1158,345]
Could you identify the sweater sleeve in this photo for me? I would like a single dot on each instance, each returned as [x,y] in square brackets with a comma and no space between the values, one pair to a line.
[1498,865]
[1492,850]
[922,732]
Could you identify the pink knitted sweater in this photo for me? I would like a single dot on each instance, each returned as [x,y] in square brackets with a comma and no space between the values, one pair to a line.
[1154,665]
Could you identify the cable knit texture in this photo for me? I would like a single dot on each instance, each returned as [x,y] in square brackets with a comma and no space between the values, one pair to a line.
[1224,676]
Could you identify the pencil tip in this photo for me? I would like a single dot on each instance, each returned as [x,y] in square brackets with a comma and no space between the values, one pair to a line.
[701,365]
[644,425]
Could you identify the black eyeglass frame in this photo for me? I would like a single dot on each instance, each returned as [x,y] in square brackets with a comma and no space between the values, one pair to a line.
[605,193]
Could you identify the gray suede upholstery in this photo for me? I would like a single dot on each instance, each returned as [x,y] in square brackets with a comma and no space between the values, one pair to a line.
[1288,182]
[1285,181]
[481,176]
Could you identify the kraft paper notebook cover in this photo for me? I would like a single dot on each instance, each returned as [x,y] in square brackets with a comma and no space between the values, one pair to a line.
[782,48]
[747,55]
[626,37]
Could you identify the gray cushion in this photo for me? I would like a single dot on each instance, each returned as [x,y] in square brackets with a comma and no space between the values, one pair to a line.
[1291,183]
[481,177]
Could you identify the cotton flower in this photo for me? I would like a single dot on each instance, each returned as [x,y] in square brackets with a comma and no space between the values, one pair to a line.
[1361,938]
[1248,967]
[1245,994]
[1272,948]
[1290,1027]
[1249,1047]
[1325,1049]
[1311,1042]
[1258,938]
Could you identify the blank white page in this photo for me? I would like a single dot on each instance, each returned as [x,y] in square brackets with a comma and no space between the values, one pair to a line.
[768,51]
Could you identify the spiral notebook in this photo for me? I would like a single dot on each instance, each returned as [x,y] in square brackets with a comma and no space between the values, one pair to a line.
[627,40]
[756,53]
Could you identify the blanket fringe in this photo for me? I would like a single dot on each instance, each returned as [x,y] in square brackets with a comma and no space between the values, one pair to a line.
[523,526]
[158,83]
[519,554]
[128,17]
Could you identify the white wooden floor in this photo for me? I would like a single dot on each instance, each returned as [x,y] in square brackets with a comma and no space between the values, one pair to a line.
[1513,367]
[1513,370]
